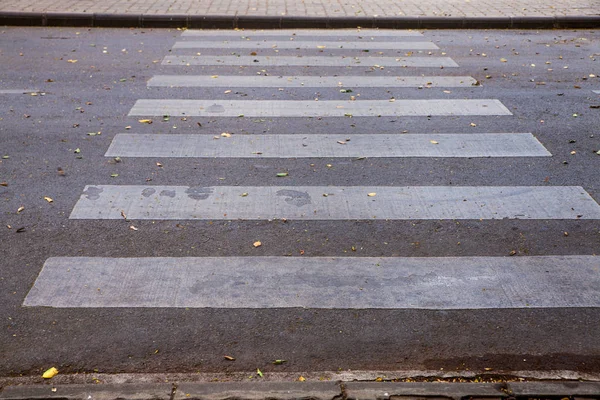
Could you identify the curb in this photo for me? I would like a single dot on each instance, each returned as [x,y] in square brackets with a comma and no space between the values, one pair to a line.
[307,390]
[290,22]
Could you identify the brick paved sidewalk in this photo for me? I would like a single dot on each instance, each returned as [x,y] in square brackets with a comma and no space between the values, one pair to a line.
[316,8]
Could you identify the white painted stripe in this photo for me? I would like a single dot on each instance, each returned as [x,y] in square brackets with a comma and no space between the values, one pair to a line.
[307,108]
[18,91]
[302,33]
[334,202]
[317,61]
[315,145]
[444,283]
[299,44]
[310,81]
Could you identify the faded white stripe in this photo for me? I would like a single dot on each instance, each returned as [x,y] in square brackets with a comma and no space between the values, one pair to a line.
[319,282]
[318,61]
[315,145]
[305,45]
[310,81]
[334,202]
[307,108]
[303,32]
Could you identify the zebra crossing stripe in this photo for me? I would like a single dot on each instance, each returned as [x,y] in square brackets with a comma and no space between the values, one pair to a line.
[325,108]
[303,32]
[315,145]
[298,44]
[334,202]
[310,81]
[438,283]
[317,61]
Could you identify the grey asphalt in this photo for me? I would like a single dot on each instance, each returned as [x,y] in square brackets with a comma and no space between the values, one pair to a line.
[41,133]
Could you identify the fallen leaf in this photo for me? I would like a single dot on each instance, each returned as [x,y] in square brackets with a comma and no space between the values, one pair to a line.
[372,194]
[227,91]
[48,199]
[3,183]
[279,362]
[50,373]
[503,60]
[214,76]
[244,194]
[473,124]
[77,150]
[229,358]
[282,174]
[341,142]
[72,61]
[123,214]
[145,121]
[133,228]
[114,175]
[434,142]
[257,244]
[301,378]
[159,164]
[20,209]
[259,372]
[21,229]
[226,134]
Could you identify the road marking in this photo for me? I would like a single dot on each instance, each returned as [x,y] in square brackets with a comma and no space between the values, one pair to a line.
[303,32]
[315,145]
[334,202]
[298,44]
[437,283]
[230,81]
[325,108]
[19,91]
[317,61]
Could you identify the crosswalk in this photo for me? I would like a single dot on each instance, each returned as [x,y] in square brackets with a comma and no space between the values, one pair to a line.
[320,282]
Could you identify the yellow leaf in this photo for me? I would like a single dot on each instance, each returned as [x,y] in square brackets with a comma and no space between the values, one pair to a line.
[320,47]
[214,76]
[72,61]
[371,194]
[503,60]
[227,91]
[257,244]
[145,121]
[48,199]
[50,373]
[473,124]
[229,358]
[20,209]
[433,142]
[226,134]
[301,378]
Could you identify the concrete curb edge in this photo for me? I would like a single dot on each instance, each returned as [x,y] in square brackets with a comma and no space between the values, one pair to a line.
[300,390]
[67,19]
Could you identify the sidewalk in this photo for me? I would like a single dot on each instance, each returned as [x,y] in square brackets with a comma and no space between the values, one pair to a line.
[269,14]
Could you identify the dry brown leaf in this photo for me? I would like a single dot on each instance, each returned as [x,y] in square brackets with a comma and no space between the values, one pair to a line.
[257,244]
[48,199]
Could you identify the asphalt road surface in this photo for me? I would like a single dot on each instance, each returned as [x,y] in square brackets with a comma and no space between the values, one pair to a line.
[339,200]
